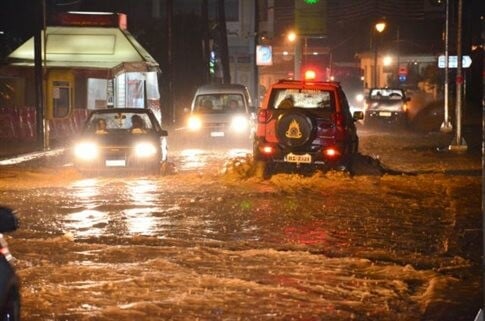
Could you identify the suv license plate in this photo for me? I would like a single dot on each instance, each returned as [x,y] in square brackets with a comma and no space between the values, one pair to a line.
[115,163]
[385,113]
[292,158]
[217,134]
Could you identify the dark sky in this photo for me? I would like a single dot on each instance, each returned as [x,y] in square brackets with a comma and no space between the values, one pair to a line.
[420,23]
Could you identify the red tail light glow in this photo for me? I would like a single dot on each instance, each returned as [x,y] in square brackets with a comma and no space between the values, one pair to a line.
[310,75]
[331,152]
[267,150]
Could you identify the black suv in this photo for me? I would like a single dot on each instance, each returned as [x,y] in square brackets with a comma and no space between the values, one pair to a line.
[305,124]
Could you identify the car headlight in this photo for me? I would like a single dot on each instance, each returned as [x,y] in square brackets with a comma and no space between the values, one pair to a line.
[86,151]
[194,123]
[239,123]
[145,150]
[359,98]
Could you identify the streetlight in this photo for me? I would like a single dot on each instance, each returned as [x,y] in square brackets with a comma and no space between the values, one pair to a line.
[379,27]
[387,61]
[293,37]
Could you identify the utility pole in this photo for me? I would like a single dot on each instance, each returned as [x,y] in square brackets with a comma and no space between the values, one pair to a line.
[169,72]
[223,45]
[205,39]
[446,126]
[458,144]
[298,54]
[253,43]
[39,78]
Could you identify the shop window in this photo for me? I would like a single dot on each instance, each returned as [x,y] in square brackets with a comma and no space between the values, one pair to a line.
[97,93]
[61,98]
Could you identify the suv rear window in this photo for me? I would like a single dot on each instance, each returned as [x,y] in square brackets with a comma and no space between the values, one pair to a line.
[392,94]
[302,98]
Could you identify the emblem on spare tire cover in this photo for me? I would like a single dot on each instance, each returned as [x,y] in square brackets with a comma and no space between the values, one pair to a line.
[294,129]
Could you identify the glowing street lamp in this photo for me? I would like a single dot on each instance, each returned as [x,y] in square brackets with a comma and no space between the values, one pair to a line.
[380,26]
[387,61]
[293,37]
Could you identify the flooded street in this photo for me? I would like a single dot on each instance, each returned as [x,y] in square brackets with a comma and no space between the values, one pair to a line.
[399,240]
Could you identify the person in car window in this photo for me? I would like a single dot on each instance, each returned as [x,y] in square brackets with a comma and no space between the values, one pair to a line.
[233,106]
[286,103]
[101,127]
[206,106]
[137,125]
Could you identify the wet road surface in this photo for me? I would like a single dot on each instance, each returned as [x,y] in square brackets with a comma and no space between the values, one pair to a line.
[206,242]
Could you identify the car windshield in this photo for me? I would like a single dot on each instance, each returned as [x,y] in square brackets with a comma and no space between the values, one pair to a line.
[118,121]
[386,94]
[219,104]
[302,98]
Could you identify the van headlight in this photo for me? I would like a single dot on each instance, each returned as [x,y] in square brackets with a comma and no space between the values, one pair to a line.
[194,123]
[145,149]
[86,151]
[239,123]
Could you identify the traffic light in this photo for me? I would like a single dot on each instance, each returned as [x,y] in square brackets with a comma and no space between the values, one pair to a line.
[311,1]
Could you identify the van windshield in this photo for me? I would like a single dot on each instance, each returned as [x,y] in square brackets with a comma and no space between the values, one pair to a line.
[219,104]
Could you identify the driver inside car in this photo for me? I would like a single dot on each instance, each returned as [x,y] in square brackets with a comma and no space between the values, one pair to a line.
[137,125]
[101,127]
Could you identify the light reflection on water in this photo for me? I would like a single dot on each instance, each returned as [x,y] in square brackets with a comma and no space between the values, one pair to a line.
[193,159]
[142,194]
[86,223]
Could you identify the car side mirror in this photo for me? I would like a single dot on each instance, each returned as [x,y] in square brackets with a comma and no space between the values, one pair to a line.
[358,115]
[164,133]
[8,220]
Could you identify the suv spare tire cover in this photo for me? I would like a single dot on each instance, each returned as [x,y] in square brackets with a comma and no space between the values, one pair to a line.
[294,129]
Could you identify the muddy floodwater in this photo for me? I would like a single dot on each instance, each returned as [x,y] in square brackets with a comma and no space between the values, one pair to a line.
[399,240]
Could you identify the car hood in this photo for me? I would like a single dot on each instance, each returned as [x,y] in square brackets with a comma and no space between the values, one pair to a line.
[220,118]
[122,139]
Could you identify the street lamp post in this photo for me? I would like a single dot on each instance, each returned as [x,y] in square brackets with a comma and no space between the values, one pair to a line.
[296,39]
[379,27]
[446,126]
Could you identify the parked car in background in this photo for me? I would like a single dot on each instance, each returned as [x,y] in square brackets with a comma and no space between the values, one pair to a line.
[386,106]
[221,113]
[121,139]
[305,124]
[9,283]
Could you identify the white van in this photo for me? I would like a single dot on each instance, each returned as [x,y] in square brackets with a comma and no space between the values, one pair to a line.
[222,111]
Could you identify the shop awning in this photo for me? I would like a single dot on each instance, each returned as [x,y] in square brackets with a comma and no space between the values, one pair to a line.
[86,47]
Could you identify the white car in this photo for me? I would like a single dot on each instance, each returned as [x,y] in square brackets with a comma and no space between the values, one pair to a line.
[221,112]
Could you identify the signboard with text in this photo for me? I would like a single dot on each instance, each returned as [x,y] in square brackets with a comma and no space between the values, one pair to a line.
[264,55]
[453,61]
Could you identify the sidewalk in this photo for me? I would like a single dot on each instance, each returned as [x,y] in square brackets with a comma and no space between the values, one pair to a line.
[16,148]
[19,152]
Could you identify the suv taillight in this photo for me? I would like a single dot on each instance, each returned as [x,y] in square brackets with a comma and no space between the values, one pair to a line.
[264,116]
